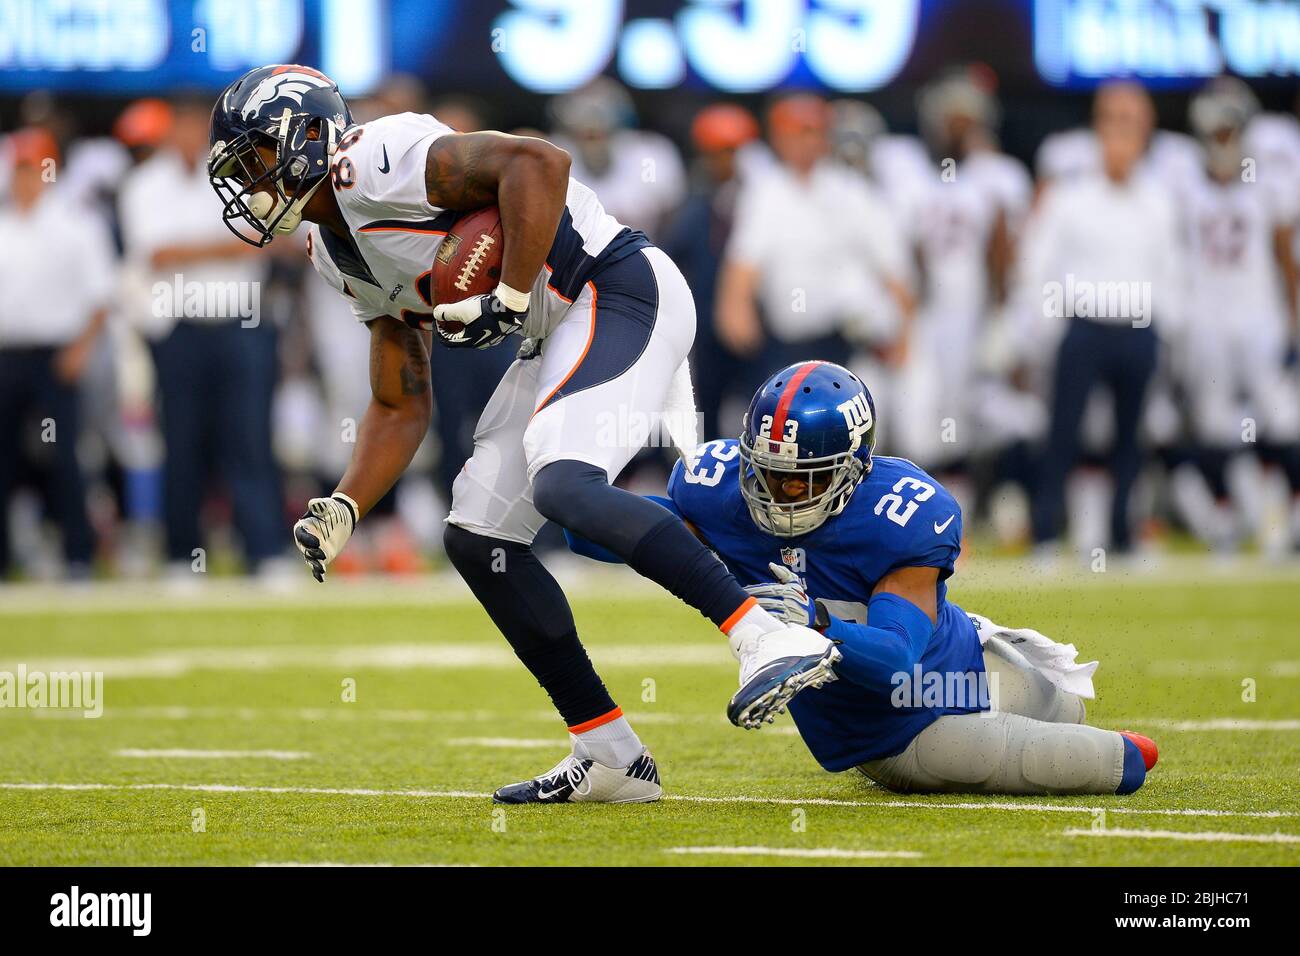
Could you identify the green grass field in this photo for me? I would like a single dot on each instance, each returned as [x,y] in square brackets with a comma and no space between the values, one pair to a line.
[443,714]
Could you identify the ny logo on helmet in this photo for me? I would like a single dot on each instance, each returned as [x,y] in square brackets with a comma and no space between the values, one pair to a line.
[857,415]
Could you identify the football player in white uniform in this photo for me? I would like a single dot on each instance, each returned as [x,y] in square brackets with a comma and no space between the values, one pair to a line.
[1239,225]
[638,174]
[608,322]
[965,200]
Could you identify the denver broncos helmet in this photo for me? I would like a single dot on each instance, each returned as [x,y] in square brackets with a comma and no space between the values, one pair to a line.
[807,442]
[300,114]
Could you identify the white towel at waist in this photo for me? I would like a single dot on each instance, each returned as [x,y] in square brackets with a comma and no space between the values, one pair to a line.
[1057,662]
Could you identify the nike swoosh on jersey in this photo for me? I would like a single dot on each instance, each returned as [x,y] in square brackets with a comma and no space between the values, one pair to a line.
[941,528]
[384,168]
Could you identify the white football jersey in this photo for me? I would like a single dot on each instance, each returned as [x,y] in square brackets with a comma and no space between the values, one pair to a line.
[1229,230]
[378,178]
[645,180]
[1274,140]
[951,212]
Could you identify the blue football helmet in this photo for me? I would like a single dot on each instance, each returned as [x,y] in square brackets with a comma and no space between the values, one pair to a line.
[298,112]
[806,444]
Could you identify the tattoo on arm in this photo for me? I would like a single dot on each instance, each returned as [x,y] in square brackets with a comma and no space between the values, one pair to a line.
[399,361]
[460,171]
[415,370]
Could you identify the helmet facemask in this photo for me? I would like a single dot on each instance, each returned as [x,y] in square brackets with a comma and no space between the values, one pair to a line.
[269,199]
[829,482]
[1218,116]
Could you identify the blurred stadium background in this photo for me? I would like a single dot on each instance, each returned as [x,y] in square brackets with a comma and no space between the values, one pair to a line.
[911,186]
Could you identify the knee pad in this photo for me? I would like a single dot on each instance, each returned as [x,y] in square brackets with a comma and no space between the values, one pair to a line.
[967,749]
[562,492]
[1071,758]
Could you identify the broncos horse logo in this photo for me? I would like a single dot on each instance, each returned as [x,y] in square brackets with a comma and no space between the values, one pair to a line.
[289,82]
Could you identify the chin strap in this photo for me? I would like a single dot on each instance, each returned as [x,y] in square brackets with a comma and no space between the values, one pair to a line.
[292,218]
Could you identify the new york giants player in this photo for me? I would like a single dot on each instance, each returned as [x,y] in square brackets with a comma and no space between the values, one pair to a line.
[927,696]
[608,321]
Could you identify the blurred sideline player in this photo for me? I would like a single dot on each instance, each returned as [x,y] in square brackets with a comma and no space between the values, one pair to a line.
[608,322]
[1169,159]
[1107,242]
[1169,156]
[964,200]
[1241,323]
[862,546]
[725,138]
[815,261]
[52,243]
[637,174]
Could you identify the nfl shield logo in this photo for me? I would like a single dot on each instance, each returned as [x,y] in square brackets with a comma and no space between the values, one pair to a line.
[793,558]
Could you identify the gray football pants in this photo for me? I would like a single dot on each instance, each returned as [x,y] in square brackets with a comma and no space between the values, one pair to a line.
[1034,741]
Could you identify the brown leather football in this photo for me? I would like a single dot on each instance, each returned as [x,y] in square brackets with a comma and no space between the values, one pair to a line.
[468,261]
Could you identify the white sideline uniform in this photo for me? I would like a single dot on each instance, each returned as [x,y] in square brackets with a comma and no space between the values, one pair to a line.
[1170,158]
[1034,741]
[1237,327]
[952,221]
[599,278]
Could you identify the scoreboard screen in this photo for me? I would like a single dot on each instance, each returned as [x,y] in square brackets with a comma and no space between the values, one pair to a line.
[731,46]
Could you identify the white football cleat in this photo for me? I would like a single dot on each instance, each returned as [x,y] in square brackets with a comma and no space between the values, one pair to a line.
[581,780]
[774,667]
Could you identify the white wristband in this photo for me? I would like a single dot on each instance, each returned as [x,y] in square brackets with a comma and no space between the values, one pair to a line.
[512,299]
[356,512]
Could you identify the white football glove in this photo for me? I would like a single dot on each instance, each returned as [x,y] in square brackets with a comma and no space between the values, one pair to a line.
[322,532]
[785,600]
[481,321]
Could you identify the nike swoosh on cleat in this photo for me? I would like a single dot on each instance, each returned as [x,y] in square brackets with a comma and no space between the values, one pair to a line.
[384,168]
[941,528]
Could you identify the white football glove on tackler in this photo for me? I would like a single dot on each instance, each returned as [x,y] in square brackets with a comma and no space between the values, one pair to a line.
[785,599]
[322,532]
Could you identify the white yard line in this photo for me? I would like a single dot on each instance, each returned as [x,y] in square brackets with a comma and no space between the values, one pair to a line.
[510,743]
[347,712]
[1222,668]
[441,655]
[204,594]
[236,788]
[187,754]
[1192,836]
[344,712]
[1022,807]
[1218,723]
[179,662]
[580,579]
[814,853]
[331,863]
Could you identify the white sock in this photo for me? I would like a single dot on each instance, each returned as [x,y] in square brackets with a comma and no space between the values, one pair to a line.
[612,744]
[752,623]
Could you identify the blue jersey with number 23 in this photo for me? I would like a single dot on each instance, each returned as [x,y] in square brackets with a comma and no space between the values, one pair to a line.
[898,517]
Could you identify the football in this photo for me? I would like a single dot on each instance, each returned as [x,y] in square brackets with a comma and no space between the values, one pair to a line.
[468,261]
